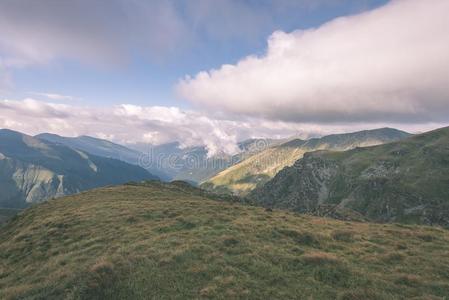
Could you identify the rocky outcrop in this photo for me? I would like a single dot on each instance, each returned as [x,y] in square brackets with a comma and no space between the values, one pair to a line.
[303,187]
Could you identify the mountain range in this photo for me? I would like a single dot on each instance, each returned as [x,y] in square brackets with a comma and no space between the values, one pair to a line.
[170,161]
[103,148]
[261,167]
[403,181]
[48,165]
[33,169]
[384,175]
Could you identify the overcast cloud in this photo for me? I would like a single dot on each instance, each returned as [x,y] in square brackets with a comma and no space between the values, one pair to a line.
[386,65]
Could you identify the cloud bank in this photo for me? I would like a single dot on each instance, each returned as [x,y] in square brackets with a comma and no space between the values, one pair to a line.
[131,124]
[152,125]
[390,64]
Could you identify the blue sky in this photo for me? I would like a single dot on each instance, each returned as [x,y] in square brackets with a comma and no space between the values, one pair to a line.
[215,72]
[150,80]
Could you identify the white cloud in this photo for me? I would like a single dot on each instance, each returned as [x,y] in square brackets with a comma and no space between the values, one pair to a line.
[386,65]
[125,124]
[98,31]
[55,96]
[131,124]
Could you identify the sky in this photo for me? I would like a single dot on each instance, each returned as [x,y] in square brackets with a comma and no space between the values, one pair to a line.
[214,72]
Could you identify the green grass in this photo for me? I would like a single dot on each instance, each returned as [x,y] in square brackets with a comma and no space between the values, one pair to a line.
[405,181]
[7,213]
[255,170]
[170,241]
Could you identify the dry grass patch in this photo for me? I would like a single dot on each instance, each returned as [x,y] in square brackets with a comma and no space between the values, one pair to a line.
[343,235]
[320,258]
[301,237]
[409,280]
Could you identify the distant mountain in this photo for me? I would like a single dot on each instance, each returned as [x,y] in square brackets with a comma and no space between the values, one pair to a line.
[168,161]
[193,164]
[258,169]
[105,148]
[94,146]
[32,170]
[406,181]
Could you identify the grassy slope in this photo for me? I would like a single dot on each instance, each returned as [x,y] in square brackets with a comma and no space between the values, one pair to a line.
[169,241]
[257,169]
[381,182]
[260,168]
[420,164]
[7,213]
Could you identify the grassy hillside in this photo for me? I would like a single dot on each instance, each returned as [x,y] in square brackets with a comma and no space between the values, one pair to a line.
[170,241]
[260,168]
[7,213]
[257,169]
[405,181]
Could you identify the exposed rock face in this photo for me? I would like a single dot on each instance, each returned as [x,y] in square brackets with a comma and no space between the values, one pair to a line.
[32,170]
[305,185]
[403,181]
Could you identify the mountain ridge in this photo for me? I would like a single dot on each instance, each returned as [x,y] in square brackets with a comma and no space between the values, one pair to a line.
[104,148]
[259,168]
[33,170]
[405,181]
[168,161]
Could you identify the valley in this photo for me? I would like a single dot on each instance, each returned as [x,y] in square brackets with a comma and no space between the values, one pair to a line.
[258,169]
